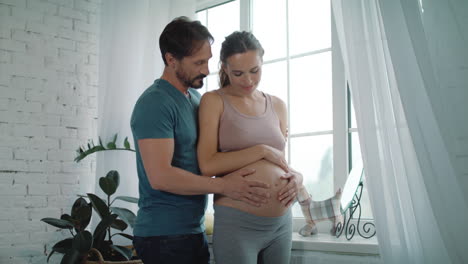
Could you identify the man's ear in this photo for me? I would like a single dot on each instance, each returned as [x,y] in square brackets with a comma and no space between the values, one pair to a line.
[170,59]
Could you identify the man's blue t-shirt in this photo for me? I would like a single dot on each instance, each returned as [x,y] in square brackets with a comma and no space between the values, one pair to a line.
[162,111]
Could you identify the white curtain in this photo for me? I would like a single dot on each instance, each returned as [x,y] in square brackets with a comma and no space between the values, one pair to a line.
[417,195]
[129,62]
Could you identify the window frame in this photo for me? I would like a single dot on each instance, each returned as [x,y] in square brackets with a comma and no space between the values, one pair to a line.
[340,98]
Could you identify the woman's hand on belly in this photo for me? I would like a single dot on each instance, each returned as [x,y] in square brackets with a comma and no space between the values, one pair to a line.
[287,195]
[275,156]
[257,192]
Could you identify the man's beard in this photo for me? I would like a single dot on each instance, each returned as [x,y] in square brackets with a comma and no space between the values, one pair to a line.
[191,82]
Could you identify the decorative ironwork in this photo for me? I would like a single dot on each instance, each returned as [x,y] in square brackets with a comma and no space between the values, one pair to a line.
[350,227]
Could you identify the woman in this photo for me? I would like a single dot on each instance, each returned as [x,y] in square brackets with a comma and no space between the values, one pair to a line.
[241,127]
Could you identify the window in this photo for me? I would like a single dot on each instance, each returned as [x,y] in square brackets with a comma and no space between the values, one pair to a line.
[221,20]
[354,154]
[302,66]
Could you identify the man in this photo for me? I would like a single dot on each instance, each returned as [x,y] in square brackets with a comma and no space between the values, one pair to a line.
[172,202]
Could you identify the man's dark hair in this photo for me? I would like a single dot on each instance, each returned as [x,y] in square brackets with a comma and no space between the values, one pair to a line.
[182,37]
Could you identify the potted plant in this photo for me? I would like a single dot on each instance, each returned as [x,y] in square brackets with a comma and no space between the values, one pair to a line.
[84,246]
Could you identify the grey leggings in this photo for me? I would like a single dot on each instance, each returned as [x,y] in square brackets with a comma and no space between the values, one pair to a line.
[243,238]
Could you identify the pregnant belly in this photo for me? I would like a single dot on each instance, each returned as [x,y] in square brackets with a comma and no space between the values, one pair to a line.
[266,172]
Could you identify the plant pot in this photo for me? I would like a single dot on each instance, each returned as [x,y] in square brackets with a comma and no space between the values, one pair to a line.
[102,261]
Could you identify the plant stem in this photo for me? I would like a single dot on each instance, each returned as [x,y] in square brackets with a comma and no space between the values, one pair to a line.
[132,150]
[109,228]
[91,151]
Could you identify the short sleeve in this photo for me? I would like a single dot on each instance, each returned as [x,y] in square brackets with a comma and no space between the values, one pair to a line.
[153,117]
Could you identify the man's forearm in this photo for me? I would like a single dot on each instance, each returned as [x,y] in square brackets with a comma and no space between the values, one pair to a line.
[179,181]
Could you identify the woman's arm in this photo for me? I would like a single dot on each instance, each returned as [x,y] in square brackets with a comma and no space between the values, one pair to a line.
[288,193]
[211,161]
[281,111]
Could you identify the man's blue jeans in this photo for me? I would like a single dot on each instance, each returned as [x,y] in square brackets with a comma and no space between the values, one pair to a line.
[173,249]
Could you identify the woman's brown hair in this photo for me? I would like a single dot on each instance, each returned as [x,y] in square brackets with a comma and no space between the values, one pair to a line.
[237,42]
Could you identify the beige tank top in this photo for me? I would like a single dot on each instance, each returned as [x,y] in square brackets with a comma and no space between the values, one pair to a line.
[238,131]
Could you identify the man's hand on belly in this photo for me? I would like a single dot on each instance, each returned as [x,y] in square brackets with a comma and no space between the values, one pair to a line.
[251,192]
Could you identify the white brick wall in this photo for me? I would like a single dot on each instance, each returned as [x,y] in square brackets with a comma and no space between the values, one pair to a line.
[48,89]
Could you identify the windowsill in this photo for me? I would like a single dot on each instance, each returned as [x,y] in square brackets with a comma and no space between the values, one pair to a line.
[324,242]
[327,243]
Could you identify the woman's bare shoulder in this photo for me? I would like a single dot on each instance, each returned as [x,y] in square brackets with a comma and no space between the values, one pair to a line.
[277,102]
[211,95]
[211,100]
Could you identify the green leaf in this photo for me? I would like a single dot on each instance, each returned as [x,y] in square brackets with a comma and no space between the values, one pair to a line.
[124,235]
[126,252]
[80,157]
[83,242]
[119,224]
[101,208]
[107,185]
[71,257]
[111,145]
[115,138]
[80,202]
[98,239]
[63,246]
[125,214]
[101,228]
[66,217]
[127,199]
[126,143]
[98,148]
[60,223]
[83,217]
[100,142]
[114,176]
[104,224]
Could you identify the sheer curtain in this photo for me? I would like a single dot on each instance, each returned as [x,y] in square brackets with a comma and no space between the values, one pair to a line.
[416,194]
[130,61]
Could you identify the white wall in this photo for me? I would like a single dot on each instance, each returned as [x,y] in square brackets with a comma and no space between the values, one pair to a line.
[48,88]
[448,42]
